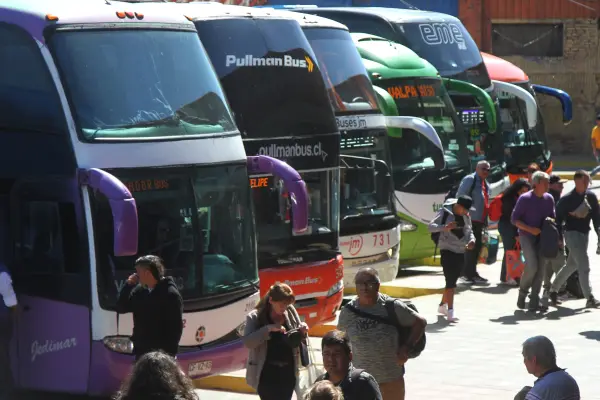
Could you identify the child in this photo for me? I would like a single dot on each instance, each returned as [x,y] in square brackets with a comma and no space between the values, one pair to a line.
[453,224]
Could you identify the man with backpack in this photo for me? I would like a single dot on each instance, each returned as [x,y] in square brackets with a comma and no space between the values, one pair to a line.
[385,333]
[476,187]
[356,384]
[576,209]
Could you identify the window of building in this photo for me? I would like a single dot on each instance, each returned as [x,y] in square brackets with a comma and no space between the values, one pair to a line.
[529,40]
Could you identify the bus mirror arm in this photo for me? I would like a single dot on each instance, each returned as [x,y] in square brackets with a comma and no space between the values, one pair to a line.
[425,129]
[122,205]
[562,96]
[522,94]
[293,184]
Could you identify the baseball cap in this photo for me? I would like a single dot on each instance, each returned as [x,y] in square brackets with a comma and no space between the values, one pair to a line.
[556,179]
[466,202]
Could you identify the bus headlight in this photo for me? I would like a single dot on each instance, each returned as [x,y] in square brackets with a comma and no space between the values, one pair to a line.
[406,226]
[240,329]
[119,344]
[339,285]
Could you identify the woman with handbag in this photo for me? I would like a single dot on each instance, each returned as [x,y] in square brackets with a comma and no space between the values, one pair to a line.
[508,232]
[274,334]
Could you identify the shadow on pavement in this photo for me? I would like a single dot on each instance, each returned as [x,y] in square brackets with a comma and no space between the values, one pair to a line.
[438,325]
[519,315]
[591,335]
[562,312]
[498,289]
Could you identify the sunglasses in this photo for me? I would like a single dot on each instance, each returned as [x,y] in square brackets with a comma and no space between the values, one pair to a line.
[366,285]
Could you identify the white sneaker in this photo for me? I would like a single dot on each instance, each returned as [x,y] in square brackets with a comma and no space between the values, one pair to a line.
[443,309]
[511,282]
[451,317]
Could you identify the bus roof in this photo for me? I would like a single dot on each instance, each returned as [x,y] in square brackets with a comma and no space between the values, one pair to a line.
[203,10]
[380,54]
[314,21]
[394,14]
[501,70]
[36,15]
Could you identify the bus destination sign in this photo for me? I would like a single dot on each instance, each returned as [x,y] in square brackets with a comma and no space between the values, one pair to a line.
[410,91]
[145,185]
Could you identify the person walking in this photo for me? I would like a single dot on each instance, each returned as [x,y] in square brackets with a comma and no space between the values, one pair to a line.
[596,144]
[553,265]
[530,212]
[274,358]
[576,209]
[157,308]
[376,346]
[8,312]
[453,225]
[356,384]
[475,186]
[508,232]
[553,383]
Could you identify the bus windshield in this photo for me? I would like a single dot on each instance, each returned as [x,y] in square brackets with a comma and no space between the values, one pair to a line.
[197,219]
[449,47]
[424,98]
[521,143]
[348,84]
[365,189]
[270,75]
[176,92]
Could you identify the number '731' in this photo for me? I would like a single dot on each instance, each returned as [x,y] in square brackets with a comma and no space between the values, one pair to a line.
[381,239]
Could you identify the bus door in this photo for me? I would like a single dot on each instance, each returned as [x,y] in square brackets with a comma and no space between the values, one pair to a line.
[52,281]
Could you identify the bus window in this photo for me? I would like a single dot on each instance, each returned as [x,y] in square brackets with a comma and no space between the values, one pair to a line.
[28,98]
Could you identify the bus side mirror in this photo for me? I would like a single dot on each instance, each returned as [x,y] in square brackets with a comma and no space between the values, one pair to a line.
[522,94]
[387,105]
[562,96]
[122,205]
[293,184]
[425,129]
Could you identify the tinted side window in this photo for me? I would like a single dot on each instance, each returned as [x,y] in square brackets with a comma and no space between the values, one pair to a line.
[28,98]
[364,24]
[48,240]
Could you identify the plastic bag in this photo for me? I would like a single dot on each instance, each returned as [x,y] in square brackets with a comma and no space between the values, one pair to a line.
[308,375]
[515,262]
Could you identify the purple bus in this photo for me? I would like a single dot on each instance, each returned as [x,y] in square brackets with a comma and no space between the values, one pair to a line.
[113,148]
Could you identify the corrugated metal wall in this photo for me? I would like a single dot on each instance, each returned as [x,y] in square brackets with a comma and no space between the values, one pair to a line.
[542,9]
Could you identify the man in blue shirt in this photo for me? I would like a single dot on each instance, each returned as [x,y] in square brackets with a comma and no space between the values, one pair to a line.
[553,383]
[8,307]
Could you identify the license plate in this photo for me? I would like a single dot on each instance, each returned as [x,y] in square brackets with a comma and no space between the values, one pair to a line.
[199,368]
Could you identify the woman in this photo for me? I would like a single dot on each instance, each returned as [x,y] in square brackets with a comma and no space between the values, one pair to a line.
[274,356]
[453,225]
[156,376]
[508,232]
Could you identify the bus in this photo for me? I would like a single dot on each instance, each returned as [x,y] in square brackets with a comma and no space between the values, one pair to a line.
[443,41]
[279,100]
[523,144]
[416,88]
[369,228]
[128,153]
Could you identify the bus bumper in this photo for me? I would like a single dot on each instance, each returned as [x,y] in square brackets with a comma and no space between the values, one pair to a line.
[108,369]
[387,270]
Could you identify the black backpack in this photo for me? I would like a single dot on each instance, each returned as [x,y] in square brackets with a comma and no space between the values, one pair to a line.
[392,319]
[435,236]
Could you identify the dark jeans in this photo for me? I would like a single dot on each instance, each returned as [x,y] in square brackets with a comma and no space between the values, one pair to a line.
[6,379]
[508,233]
[276,383]
[472,256]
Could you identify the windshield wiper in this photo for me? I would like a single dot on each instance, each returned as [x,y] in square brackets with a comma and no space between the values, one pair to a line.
[417,174]
[222,287]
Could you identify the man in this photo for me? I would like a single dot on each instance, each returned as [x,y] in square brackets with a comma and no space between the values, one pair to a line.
[532,169]
[553,265]
[553,383]
[8,310]
[156,305]
[475,186]
[576,209]
[356,384]
[530,212]
[596,144]
[376,346]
